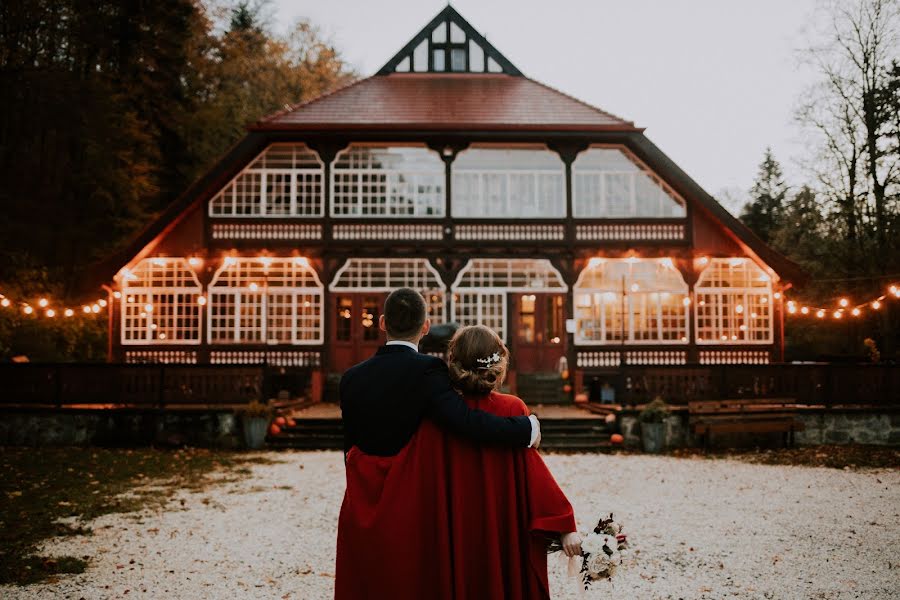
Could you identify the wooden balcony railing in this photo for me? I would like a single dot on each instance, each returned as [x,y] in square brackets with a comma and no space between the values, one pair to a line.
[813,384]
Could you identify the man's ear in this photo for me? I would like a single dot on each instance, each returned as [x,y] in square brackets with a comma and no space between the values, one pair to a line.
[381,324]
[426,327]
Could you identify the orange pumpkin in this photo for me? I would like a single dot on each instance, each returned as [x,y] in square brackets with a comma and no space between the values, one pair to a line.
[567,388]
[274,429]
[280,421]
[616,439]
[581,398]
[565,374]
[291,422]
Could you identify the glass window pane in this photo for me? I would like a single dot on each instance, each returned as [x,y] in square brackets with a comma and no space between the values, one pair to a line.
[476,57]
[457,60]
[457,35]
[439,34]
[438,59]
[420,57]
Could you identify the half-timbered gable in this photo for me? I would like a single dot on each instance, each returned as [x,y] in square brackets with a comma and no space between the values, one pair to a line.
[504,201]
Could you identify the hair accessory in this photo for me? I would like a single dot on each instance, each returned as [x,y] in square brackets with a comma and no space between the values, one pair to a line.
[488,361]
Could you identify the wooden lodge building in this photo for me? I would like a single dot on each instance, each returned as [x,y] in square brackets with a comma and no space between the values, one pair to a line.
[505,201]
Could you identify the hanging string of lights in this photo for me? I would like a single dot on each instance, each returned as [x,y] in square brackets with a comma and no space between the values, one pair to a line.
[844,306]
[44,307]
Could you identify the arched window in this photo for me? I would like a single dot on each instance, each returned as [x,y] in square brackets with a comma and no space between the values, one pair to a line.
[479,292]
[388,274]
[608,183]
[265,301]
[733,298]
[509,183]
[387,181]
[284,181]
[630,300]
[160,303]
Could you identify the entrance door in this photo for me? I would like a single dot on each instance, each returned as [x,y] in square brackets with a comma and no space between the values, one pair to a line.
[538,331]
[356,333]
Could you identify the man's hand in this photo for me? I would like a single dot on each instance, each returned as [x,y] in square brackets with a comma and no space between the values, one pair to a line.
[571,544]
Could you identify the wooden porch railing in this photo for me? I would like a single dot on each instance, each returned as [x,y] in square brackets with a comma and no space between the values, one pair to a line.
[144,386]
[820,384]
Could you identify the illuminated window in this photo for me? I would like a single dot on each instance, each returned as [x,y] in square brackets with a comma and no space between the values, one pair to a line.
[480,289]
[265,300]
[733,299]
[395,181]
[284,181]
[508,183]
[388,274]
[160,303]
[631,300]
[608,183]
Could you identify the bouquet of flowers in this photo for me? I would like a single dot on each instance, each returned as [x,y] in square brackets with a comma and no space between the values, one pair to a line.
[602,551]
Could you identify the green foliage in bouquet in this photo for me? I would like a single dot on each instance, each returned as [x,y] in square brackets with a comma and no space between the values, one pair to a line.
[255,409]
[654,412]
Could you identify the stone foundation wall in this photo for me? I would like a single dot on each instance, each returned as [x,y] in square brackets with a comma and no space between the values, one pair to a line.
[120,428]
[821,427]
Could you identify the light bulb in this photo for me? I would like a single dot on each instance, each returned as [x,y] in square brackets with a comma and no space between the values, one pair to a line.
[5,302]
[95,308]
[876,305]
[50,313]
[804,310]
[69,312]
[117,295]
[855,312]
[28,310]
[201,300]
[102,302]
[43,303]
[86,309]
[844,303]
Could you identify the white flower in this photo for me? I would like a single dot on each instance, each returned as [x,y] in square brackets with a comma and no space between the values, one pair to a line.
[611,542]
[598,563]
[593,543]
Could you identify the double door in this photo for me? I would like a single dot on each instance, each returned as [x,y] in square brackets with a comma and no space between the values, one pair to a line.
[356,335]
[538,331]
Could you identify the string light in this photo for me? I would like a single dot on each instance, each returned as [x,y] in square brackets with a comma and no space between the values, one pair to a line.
[49,308]
[845,305]
[5,302]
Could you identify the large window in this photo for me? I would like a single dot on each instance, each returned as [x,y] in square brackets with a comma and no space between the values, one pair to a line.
[508,183]
[480,289]
[365,275]
[284,181]
[633,301]
[610,184]
[265,300]
[160,303]
[733,298]
[387,181]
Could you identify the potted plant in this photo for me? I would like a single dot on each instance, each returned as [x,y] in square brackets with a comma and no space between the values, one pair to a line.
[255,421]
[653,427]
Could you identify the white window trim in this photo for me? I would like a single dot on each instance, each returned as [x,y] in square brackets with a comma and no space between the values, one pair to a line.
[746,292]
[263,293]
[481,293]
[392,175]
[641,165]
[227,191]
[196,289]
[455,288]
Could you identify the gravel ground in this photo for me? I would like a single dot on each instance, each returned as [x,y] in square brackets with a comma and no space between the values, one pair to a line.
[701,528]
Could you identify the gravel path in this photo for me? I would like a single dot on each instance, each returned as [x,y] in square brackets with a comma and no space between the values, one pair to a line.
[717,528]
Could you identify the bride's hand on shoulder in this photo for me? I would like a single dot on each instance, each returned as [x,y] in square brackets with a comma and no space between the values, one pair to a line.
[571,543]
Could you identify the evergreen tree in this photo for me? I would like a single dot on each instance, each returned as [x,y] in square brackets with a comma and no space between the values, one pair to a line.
[765,211]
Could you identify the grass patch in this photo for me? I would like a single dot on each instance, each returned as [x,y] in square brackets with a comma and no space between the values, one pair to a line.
[39,487]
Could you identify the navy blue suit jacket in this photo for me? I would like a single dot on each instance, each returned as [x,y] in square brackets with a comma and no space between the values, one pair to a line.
[385,398]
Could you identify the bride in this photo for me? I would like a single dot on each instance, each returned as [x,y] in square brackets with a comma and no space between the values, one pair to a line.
[448,518]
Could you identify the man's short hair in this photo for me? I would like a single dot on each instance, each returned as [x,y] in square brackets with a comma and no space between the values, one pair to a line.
[404,313]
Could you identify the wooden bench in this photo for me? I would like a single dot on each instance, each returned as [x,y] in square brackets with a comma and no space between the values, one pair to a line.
[758,415]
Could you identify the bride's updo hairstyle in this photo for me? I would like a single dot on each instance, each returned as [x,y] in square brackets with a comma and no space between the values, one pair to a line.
[478,360]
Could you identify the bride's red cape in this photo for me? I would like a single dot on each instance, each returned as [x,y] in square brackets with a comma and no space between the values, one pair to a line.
[447,519]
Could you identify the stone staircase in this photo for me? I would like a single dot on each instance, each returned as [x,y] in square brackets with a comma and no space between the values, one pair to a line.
[541,388]
[559,434]
[310,434]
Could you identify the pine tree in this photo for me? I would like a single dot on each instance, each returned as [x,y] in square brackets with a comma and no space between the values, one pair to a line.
[765,212]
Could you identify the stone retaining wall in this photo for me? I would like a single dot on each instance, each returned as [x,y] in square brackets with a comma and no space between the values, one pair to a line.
[218,429]
[826,426]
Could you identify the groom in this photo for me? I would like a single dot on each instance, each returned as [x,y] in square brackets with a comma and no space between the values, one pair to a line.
[385,398]
[396,501]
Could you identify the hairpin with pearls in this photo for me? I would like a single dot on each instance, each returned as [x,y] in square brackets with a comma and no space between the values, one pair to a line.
[488,361]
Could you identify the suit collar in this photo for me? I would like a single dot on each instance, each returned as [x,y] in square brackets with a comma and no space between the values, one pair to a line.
[395,349]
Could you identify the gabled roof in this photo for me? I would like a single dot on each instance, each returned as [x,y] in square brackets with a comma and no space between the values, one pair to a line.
[442,101]
[445,33]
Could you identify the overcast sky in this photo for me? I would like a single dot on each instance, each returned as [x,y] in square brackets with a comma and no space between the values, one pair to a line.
[713,81]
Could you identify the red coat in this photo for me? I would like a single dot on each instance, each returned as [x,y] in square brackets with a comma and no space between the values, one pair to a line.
[448,519]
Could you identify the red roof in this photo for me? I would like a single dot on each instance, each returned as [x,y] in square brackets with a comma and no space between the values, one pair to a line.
[446,101]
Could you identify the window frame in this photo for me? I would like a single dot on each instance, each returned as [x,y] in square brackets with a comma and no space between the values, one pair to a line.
[147,293]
